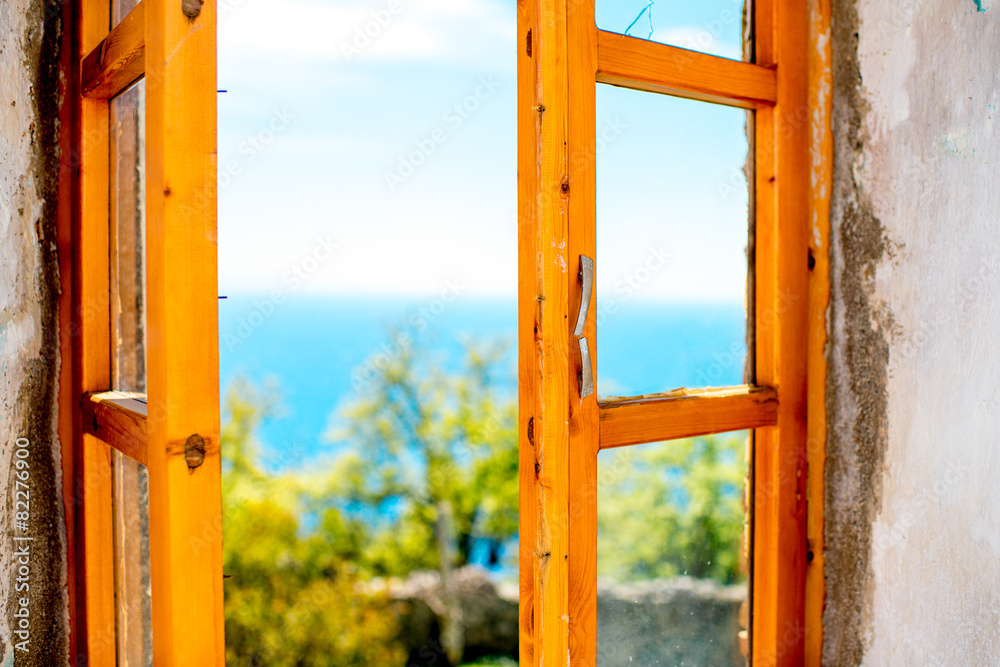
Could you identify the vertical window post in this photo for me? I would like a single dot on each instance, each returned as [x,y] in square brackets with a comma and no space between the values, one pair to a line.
[184,455]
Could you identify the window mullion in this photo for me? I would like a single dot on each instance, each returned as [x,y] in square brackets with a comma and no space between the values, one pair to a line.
[658,68]
[685,414]
[118,61]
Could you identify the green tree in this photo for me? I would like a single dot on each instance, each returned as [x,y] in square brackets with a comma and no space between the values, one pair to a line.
[428,448]
[293,597]
[673,508]
[433,456]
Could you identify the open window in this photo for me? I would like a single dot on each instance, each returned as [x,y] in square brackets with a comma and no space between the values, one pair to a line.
[149,530]
[145,328]
[563,57]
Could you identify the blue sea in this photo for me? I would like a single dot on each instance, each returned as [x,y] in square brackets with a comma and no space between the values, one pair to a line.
[314,349]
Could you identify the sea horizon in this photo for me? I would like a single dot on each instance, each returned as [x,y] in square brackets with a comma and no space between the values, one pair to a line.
[313,350]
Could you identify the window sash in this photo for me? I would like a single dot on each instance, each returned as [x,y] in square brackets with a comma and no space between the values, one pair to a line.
[561,57]
[175,432]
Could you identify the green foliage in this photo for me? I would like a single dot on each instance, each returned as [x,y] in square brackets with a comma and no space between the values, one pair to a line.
[421,440]
[292,596]
[672,508]
[301,547]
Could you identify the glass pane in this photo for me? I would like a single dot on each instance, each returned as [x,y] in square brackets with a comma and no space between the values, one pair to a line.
[671,563]
[672,231]
[120,9]
[133,601]
[128,236]
[709,26]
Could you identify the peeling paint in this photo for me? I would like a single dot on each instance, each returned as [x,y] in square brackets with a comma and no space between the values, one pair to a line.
[858,355]
[913,510]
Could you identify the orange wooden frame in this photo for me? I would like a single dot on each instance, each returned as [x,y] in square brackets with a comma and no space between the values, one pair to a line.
[172,45]
[562,55]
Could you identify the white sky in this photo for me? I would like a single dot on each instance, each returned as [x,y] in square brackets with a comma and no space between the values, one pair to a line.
[317,114]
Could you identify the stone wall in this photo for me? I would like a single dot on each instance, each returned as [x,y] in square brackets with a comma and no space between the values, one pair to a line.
[671,622]
[31,571]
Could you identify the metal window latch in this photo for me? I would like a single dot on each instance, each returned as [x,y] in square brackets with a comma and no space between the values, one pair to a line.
[586,370]
[587,278]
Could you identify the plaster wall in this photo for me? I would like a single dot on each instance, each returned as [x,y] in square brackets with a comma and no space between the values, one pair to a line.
[29,363]
[913,499]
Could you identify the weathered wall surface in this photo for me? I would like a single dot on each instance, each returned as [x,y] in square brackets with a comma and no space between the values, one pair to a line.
[30,35]
[913,499]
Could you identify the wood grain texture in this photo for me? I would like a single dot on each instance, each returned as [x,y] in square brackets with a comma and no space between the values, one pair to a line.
[583,423]
[685,413]
[782,333]
[118,420]
[95,493]
[182,334]
[92,363]
[557,187]
[820,101]
[557,206]
[644,65]
[527,329]
[550,216]
[118,60]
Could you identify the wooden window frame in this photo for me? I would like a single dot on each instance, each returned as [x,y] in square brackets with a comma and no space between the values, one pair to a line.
[562,56]
[171,44]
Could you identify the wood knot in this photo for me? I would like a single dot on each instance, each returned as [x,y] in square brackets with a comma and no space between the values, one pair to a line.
[191,8]
[194,451]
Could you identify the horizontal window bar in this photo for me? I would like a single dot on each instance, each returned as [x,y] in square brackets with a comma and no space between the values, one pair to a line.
[685,413]
[118,419]
[658,68]
[118,61]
